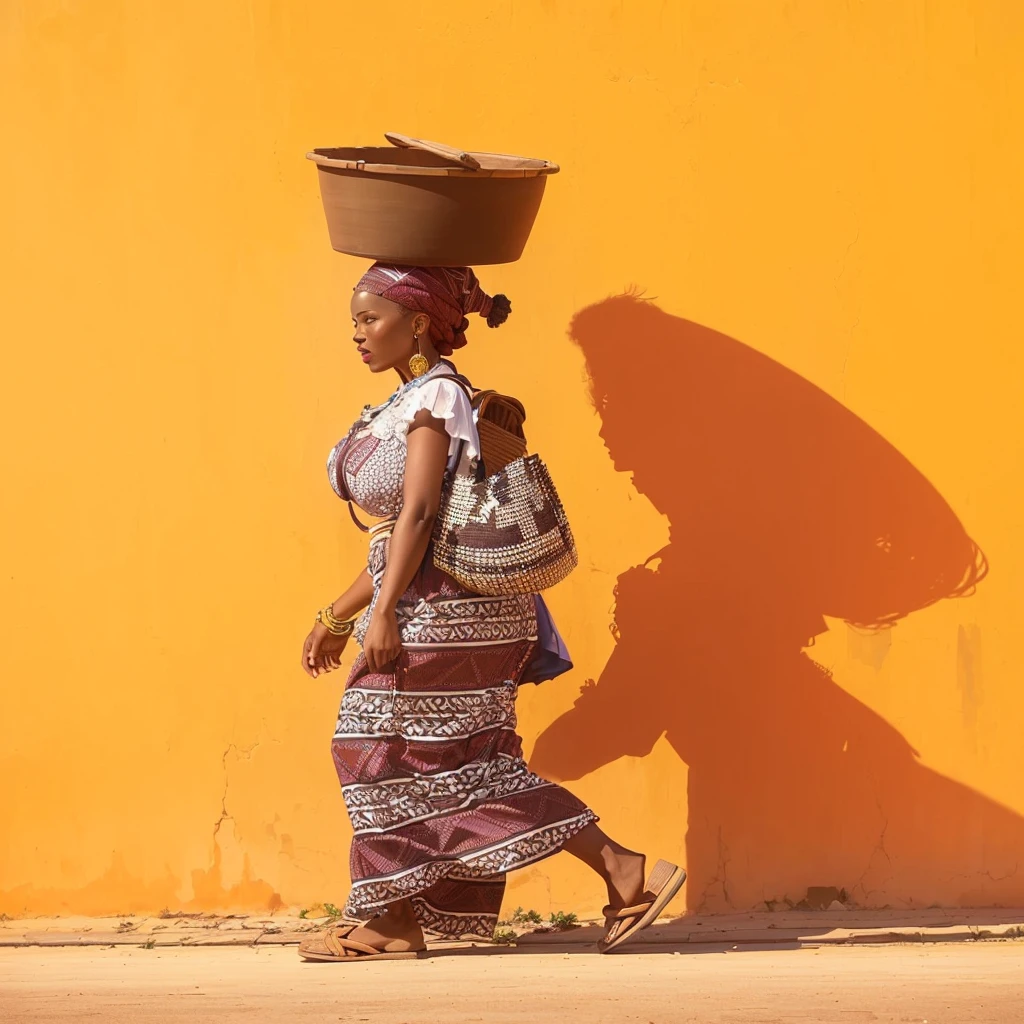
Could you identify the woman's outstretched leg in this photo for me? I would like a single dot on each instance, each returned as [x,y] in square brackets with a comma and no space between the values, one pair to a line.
[621,869]
[633,903]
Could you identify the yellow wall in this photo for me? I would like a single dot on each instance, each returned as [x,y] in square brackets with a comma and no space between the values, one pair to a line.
[835,185]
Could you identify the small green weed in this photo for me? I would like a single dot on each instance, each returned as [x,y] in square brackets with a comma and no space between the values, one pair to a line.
[148,944]
[320,910]
[562,922]
[520,916]
[504,937]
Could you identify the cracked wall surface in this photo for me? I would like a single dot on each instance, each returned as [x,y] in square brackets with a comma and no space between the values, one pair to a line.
[822,203]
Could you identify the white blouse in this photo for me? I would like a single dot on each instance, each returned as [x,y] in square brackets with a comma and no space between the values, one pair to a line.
[371,458]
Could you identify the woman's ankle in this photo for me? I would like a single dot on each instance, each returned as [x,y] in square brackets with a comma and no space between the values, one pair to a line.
[624,875]
[401,912]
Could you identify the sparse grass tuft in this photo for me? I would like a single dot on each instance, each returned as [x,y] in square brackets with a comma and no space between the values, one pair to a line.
[520,916]
[504,937]
[562,922]
[320,910]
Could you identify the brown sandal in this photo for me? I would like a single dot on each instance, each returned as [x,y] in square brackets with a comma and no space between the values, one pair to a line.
[662,884]
[334,944]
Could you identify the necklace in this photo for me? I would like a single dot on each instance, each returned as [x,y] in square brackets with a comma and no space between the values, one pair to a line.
[371,412]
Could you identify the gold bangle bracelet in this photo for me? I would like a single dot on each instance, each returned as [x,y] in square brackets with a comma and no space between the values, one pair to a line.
[333,624]
[332,618]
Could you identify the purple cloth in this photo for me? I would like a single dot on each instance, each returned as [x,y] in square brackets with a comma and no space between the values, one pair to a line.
[447,294]
[550,657]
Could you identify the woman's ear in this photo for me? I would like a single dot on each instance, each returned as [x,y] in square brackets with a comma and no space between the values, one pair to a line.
[421,324]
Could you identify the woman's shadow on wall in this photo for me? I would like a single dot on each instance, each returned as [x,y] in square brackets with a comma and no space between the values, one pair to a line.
[784,507]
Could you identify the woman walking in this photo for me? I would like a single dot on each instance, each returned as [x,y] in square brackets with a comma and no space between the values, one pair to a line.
[441,801]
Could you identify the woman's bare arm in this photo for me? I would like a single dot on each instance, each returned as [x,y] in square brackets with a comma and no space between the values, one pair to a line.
[424,473]
[356,598]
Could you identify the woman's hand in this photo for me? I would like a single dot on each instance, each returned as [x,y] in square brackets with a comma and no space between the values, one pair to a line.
[382,643]
[322,650]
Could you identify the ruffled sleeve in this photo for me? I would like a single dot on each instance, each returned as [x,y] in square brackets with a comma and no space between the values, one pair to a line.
[446,401]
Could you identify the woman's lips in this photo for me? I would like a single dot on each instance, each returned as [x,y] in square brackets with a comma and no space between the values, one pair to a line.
[366,357]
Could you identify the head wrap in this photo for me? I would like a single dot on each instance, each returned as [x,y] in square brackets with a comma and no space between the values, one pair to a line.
[445,294]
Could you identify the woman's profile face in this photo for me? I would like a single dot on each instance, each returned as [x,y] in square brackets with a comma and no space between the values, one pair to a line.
[383,331]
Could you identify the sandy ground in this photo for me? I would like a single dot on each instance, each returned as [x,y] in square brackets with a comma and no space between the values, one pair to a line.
[786,927]
[942,984]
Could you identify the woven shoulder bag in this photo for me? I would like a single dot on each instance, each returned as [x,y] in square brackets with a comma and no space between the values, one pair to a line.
[503,531]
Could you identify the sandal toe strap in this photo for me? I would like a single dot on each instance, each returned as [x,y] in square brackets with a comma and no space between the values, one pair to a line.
[353,947]
[634,911]
[335,938]
[623,918]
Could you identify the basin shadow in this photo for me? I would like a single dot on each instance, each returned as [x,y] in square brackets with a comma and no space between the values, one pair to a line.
[784,507]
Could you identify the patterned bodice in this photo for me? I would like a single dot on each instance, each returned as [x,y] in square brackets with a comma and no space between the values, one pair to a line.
[368,464]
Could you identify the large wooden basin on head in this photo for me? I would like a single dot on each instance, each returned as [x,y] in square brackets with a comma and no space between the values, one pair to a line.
[427,204]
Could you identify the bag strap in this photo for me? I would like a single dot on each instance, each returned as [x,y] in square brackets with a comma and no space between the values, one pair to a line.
[464,383]
[474,401]
[339,479]
[355,518]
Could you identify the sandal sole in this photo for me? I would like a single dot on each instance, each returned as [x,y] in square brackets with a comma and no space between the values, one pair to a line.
[330,958]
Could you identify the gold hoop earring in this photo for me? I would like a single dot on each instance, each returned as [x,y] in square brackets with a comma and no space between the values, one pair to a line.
[418,364]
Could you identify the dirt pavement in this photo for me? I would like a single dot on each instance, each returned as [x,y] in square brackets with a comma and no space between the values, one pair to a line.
[959,983]
[786,927]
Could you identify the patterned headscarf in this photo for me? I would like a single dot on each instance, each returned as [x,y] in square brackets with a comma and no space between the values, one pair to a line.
[445,294]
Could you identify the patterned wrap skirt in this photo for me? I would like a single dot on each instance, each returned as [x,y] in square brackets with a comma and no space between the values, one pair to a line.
[441,802]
